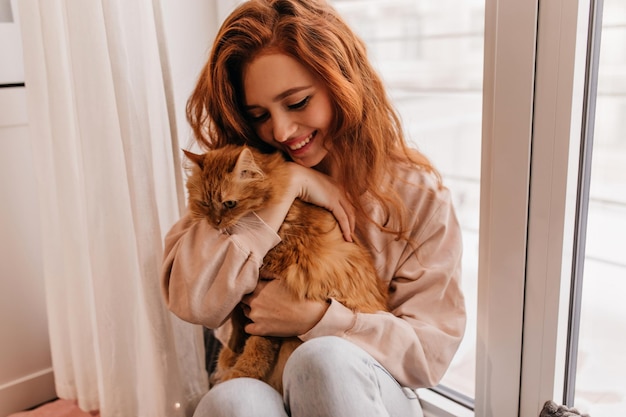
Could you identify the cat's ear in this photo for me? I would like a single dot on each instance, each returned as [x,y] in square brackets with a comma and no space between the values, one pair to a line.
[246,166]
[195,158]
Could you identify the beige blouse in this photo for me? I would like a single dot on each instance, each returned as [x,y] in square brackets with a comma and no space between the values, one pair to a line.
[205,274]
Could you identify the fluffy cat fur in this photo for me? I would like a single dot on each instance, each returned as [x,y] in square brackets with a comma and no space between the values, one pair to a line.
[313,259]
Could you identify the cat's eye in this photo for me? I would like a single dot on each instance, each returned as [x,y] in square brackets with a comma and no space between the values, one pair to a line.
[229,204]
[300,105]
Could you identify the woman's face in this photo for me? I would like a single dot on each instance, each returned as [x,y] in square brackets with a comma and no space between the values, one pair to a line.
[288,107]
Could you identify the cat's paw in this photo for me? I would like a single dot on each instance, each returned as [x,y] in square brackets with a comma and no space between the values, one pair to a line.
[224,374]
[229,374]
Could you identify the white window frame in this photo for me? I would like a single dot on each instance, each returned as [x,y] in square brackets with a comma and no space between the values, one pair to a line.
[533,94]
[508,93]
[557,132]
[534,78]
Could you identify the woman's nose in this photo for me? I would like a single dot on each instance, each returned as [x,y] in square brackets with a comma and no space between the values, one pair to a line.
[283,128]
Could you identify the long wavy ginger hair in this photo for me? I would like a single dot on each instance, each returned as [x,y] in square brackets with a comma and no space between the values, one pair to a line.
[367,137]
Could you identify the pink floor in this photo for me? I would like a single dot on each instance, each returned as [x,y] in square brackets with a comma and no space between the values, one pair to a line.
[58,408]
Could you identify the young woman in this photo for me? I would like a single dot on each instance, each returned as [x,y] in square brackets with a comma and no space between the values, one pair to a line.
[291,75]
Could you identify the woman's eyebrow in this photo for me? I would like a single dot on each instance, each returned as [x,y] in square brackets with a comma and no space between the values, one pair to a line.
[281,96]
[290,91]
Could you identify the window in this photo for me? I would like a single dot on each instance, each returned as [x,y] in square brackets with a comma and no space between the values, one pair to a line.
[430,55]
[534,332]
[540,125]
[597,377]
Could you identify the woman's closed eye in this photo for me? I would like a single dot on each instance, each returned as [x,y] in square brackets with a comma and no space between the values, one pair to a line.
[263,116]
[300,104]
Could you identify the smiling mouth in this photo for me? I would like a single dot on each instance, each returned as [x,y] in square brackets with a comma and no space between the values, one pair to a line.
[303,143]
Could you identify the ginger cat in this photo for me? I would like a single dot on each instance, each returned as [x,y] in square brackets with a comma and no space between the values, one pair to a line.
[313,259]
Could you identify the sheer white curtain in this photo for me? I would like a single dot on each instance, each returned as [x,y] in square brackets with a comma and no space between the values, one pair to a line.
[104,153]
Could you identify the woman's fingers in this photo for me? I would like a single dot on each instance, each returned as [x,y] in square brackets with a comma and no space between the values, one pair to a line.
[345,219]
[349,209]
[275,311]
[317,188]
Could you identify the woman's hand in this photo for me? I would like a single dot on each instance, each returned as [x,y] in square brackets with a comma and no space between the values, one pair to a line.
[274,311]
[317,188]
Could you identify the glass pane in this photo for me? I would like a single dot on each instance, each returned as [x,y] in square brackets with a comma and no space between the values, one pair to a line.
[601,367]
[430,55]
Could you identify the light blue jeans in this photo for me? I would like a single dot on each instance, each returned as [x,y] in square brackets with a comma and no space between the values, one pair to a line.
[326,376]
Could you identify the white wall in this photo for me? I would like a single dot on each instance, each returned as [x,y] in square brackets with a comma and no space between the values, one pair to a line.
[190,27]
[26,377]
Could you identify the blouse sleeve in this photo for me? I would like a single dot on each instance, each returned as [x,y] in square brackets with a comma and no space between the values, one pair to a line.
[418,338]
[206,272]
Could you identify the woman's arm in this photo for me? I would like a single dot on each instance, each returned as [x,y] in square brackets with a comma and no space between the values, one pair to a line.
[206,272]
[418,339]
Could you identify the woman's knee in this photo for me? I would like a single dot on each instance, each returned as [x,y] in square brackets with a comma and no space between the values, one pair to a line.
[240,397]
[328,354]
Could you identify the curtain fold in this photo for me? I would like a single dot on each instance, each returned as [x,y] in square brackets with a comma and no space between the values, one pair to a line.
[109,189]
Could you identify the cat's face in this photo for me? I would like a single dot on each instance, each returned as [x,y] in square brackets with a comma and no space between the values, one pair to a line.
[225,186]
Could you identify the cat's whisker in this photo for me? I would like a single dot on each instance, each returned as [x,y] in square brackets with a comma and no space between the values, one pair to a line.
[243,225]
[286,234]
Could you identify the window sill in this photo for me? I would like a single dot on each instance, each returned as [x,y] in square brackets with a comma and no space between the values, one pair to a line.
[435,405]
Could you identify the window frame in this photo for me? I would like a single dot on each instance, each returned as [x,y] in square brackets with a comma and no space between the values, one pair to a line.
[554,198]
[508,95]
[534,79]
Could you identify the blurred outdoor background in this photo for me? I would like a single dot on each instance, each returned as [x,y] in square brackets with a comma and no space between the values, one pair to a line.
[430,55]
